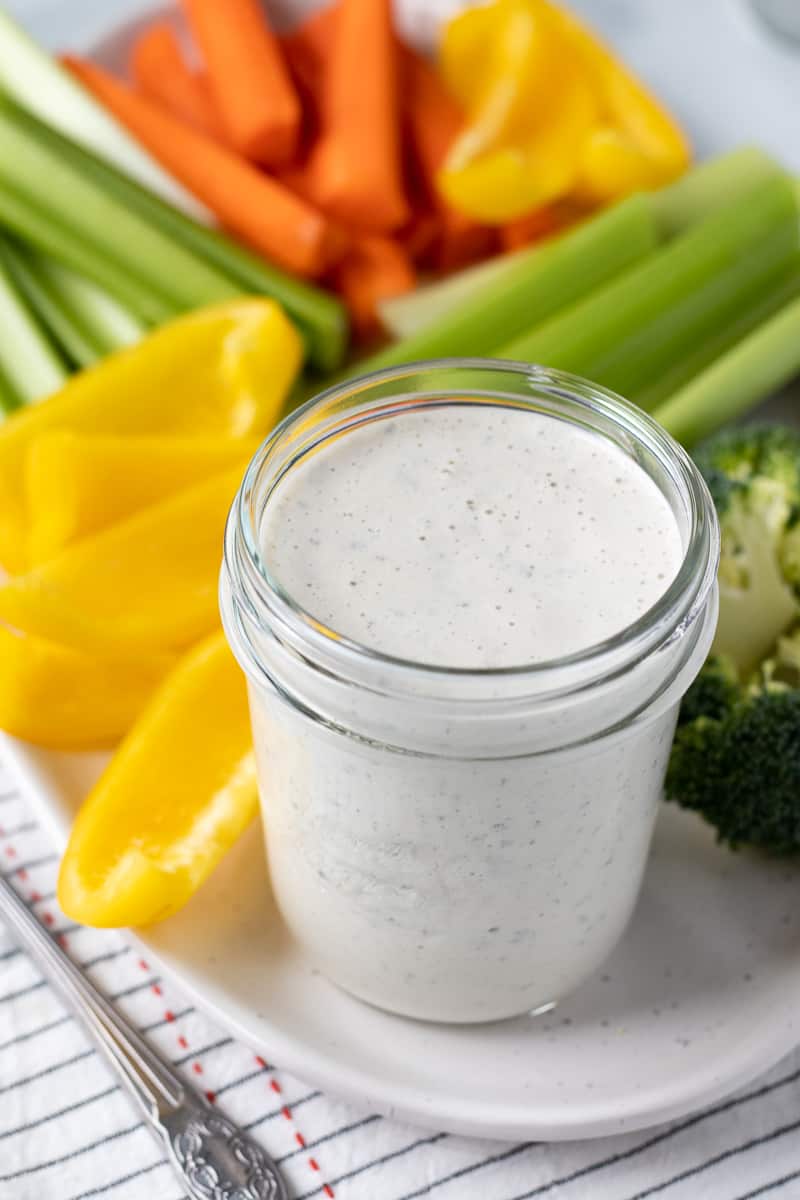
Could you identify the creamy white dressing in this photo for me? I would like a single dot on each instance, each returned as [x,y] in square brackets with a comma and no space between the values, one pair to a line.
[453,860]
[469,536]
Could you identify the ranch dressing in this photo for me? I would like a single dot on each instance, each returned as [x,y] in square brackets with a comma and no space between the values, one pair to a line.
[463,840]
[472,537]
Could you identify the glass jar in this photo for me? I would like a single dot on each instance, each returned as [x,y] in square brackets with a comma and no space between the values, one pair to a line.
[462,845]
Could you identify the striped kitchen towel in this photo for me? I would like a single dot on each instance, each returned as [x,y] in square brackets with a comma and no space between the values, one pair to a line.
[67,1132]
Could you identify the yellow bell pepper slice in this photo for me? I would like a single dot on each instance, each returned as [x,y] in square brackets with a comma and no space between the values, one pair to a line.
[175,797]
[530,104]
[511,181]
[551,112]
[65,700]
[498,62]
[148,583]
[461,55]
[222,371]
[612,166]
[638,143]
[77,484]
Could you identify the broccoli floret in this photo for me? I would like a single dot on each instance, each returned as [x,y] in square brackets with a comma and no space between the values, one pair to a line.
[749,451]
[736,757]
[737,761]
[753,474]
[713,693]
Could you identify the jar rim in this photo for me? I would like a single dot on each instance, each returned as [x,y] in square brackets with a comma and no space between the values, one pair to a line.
[265,600]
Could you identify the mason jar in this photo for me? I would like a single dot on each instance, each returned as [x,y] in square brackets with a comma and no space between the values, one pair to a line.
[462,844]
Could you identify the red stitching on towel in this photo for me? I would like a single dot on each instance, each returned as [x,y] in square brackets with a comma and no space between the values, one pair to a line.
[48,918]
[169,1017]
[34,896]
[289,1116]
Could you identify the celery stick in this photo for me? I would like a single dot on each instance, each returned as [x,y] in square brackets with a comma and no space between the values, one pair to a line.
[35,226]
[675,208]
[625,334]
[39,84]
[403,316]
[533,286]
[762,362]
[9,400]
[28,360]
[31,168]
[53,314]
[774,297]
[698,193]
[321,317]
[700,317]
[108,323]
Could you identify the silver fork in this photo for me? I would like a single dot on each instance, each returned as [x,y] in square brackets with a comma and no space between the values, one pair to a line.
[214,1159]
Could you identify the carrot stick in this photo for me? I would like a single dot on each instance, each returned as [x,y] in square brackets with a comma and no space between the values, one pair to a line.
[306,50]
[307,47]
[373,269]
[459,245]
[355,169]
[262,211]
[433,120]
[530,228]
[433,116]
[422,235]
[249,79]
[161,73]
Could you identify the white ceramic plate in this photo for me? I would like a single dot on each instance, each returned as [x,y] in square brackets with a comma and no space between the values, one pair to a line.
[702,994]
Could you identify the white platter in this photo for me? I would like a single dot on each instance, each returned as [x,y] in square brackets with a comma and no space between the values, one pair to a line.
[702,994]
[704,991]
